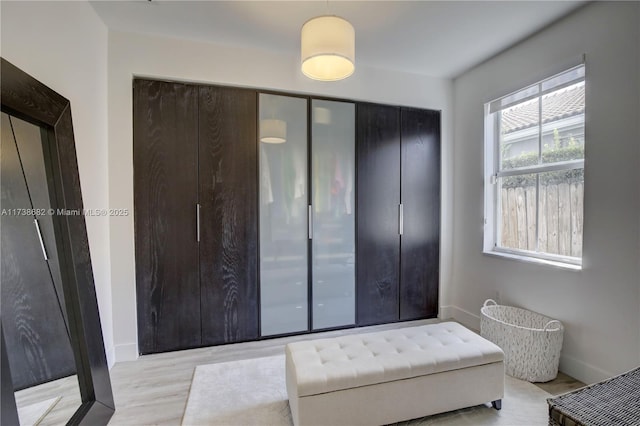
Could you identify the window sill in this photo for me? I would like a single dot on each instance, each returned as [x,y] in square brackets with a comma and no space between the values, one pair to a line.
[535,260]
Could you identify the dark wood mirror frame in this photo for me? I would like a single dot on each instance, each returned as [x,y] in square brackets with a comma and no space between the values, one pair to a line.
[26,98]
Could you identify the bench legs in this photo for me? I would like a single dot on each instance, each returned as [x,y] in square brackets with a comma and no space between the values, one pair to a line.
[497,404]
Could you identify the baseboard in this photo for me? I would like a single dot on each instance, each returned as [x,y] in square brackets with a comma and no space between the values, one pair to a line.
[582,371]
[111,357]
[446,312]
[465,318]
[126,352]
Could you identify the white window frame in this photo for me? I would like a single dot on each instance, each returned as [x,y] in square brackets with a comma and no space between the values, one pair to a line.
[492,174]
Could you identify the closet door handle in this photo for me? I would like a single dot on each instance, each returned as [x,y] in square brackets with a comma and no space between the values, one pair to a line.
[44,250]
[198,221]
[401,219]
[310,221]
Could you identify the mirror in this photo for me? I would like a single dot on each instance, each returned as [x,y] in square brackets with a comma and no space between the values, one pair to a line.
[52,347]
[35,323]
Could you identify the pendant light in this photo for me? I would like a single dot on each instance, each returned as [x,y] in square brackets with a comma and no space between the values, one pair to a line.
[273,131]
[322,115]
[328,48]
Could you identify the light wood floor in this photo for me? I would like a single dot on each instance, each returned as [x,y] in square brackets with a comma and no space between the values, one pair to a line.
[67,389]
[154,389]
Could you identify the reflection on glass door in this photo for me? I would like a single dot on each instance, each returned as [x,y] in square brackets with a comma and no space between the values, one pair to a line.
[283,214]
[333,248]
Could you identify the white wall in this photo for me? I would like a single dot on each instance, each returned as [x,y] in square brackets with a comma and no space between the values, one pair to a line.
[139,55]
[64,45]
[600,304]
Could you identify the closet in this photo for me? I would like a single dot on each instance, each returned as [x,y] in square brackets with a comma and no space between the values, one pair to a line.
[228,215]
[307,217]
[195,207]
[398,238]
[333,215]
[261,214]
[284,225]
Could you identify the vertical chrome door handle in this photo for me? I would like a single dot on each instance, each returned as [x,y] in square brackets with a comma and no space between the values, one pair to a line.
[401,218]
[198,221]
[310,221]
[44,250]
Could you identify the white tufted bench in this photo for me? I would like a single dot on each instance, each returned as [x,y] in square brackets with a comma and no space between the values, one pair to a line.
[391,376]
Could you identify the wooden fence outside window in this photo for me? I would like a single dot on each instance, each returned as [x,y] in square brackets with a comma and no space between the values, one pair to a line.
[560,222]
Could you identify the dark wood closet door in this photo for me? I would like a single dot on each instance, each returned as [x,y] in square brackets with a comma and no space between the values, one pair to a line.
[378,198]
[165,157]
[229,215]
[38,345]
[420,241]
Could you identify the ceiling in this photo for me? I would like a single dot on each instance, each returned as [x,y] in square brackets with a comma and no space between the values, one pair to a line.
[435,38]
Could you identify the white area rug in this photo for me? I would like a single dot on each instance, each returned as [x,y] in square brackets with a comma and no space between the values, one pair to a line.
[32,414]
[253,392]
[248,392]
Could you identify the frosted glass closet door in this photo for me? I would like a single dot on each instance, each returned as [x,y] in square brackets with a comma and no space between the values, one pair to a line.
[333,195]
[283,215]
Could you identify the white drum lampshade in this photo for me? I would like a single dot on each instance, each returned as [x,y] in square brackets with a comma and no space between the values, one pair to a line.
[273,131]
[322,115]
[328,48]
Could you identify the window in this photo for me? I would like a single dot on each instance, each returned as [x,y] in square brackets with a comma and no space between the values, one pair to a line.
[534,171]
